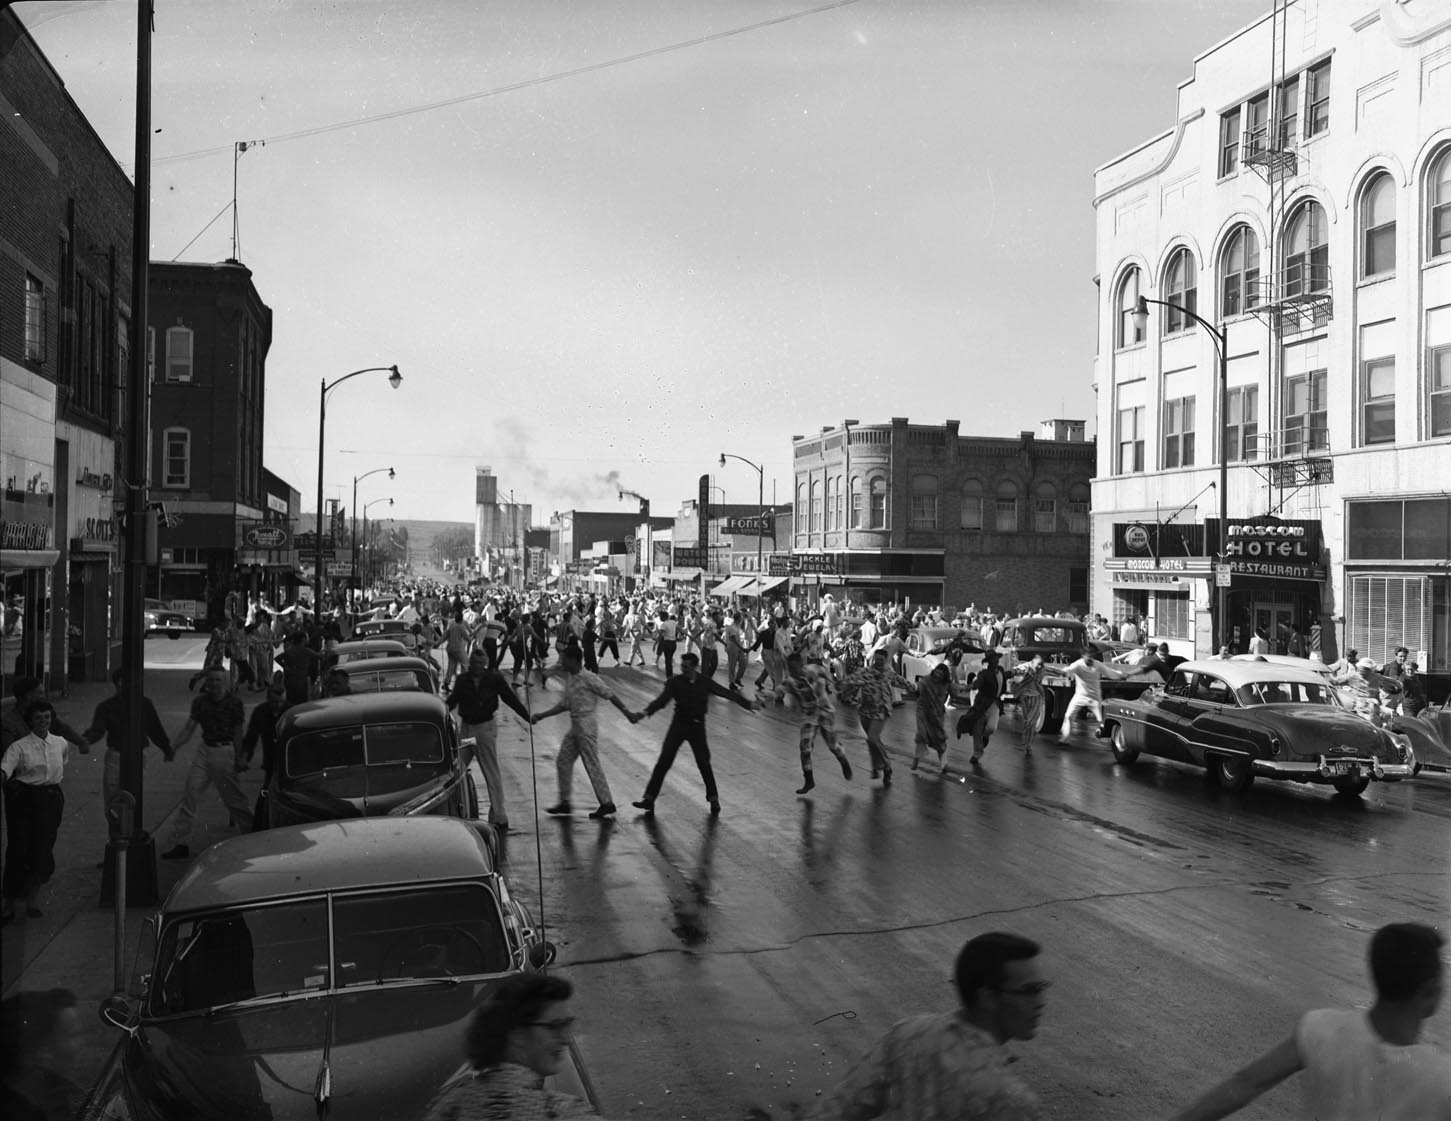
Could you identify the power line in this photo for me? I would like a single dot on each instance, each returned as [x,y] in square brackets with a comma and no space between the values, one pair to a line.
[513,87]
[205,228]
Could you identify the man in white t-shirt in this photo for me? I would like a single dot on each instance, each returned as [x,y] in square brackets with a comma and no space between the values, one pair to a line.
[1360,1066]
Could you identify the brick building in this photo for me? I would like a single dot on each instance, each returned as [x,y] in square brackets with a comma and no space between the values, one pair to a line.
[912,511]
[65,285]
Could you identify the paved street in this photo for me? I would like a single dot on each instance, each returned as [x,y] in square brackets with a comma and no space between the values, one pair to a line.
[748,961]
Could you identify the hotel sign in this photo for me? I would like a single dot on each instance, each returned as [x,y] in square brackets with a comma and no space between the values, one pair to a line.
[1281,548]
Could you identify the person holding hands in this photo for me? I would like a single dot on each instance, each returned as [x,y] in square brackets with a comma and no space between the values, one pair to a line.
[582,692]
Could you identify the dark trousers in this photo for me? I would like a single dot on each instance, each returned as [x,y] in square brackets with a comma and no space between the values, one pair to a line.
[667,648]
[612,645]
[679,733]
[491,650]
[520,651]
[32,819]
[709,662]
[591,662]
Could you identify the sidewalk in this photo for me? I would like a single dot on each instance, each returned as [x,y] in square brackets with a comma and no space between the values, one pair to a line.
[73,945]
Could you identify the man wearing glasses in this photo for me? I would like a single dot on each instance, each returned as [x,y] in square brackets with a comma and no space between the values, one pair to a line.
[945,1065]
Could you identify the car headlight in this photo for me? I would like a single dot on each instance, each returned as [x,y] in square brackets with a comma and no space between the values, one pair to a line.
[1275,745]
[150,619]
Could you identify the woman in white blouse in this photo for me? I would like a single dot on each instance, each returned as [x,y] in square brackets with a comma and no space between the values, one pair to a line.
[32,769]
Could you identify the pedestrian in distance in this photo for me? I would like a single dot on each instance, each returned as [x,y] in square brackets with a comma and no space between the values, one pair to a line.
[458,639]
[1360,1066]
[690,692]
[476,695]
[299,664]
[932,694]
[809,686]
[583,690]
[668,631]
[32,769]
[219,714]
[941,1065]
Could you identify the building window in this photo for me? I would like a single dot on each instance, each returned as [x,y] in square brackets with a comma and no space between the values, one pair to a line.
[815,505]
[856,502]
[838,505]
[1076,515]
[1005,507]
[803,512]
[34,319]
[830,503]
[1239,273]
[1171,615]
[1045,509]
[1305,428]
[1128,331]
[1130,441]
[1378,401]
[1179,432]
[1386,612]
[1180,292]
[878,498]
[924,502]
[1257,123]
[1438,408]
[178,354]
[1438,240]
[1317,94]
[971,516]
[1378,227]
[176,472]
[1243,420]
[1228,142]
[1286,132]
[1307,257]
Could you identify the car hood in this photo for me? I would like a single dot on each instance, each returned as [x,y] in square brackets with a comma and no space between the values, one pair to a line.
[385,1053]
[1315,730]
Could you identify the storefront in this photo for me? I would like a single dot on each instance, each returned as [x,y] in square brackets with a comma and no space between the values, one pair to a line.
[1277,581]
[28,550]
[867,577]
[91,576]
[1161,577]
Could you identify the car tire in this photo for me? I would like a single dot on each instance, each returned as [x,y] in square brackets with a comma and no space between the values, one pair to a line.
[1351,787]
[1231,773]
[1118,742]
[173,635]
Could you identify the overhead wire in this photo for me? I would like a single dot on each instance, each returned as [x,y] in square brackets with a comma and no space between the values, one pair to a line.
[204,229]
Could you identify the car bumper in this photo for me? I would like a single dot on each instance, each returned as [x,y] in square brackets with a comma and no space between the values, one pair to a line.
[1328,770]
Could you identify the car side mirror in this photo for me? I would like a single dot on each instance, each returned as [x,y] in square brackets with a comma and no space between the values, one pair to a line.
[541,954]
[119,1012]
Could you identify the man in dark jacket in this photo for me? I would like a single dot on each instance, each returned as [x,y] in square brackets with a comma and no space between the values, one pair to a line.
[691,692]
[476,695]
[110,721]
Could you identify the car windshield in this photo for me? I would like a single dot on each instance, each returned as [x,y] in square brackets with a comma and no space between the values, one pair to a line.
[391,681]
[282,949]
[1284,692]
[371,745]
[1049,636]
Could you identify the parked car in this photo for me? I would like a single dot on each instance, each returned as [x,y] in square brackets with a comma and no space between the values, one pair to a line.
[323,970]
[1062,641]
[390,675]
[928,647]
[1239,720]
[395,629]
[345,652]
[161,619]
[391,754]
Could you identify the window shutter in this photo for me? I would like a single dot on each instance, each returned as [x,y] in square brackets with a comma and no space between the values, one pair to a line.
[1386,612]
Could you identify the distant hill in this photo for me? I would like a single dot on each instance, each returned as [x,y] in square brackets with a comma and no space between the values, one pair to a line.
[420,539]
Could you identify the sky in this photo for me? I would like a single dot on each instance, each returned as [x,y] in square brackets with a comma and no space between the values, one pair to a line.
[606,240]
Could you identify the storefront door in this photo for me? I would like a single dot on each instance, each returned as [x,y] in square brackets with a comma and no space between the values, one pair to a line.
[1274,619]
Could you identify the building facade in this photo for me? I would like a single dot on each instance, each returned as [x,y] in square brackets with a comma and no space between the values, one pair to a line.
[499,530]
[209,337]
[901,511]
[1301,205]
[65,356]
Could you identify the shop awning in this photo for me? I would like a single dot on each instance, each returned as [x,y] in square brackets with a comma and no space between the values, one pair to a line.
[684,574]
[731,585]
[761,585]
[16,560]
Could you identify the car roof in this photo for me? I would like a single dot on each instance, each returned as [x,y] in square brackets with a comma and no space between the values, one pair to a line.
[375,665]
[1045,621]
[363,708]
[355,645]
[331,856]
[385,624]
[1318,668]
[1236,672]
[942,632]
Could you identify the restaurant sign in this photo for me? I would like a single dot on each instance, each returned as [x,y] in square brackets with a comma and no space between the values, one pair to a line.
[1284,548]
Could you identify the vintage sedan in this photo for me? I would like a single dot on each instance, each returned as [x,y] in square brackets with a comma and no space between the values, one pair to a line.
[324,970]
[399,674]
[369,648]
[161,619]
[396,629]
[394,754]
[928,647]
[1239,720]
[1061,642]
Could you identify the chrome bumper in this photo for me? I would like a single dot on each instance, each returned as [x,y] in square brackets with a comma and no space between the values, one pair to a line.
[1326,770]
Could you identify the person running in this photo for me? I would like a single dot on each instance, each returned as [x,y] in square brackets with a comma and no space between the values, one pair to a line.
[457,640]
[582,692]
[1360,1065]
[872,686]
[932,693]
[987,704]
[809,687]
[218,712]
[1029,692]
[667,632]
[1087,674]
[690,692]
[476,694]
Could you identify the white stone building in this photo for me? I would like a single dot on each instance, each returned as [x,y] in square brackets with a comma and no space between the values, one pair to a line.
[1301,204]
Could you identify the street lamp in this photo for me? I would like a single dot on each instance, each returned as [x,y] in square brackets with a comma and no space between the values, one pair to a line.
[353,509]
[760,502]
[326,387]
[366,507]
[1221,345]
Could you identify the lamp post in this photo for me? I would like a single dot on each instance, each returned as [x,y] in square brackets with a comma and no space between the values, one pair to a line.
[326,387]
[1221,346]
[760,500]
[366,542]
[353,509]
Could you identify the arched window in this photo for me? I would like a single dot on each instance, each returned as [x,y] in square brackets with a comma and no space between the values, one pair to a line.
[878,497]
[1180,290]
[971,515]
[856,502]
[178,354]
[1045,508]
[1127,331]
[1005,518]
[827,485]
[802,511]
[176,465]
[1378,227]
[815,505]
[1438,239]
[924,502]
[1307,257]
[1239,273]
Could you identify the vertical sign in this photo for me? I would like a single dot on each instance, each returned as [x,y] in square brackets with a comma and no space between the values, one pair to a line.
[702,537]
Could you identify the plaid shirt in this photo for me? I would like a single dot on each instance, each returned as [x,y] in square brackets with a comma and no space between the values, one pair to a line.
[874,691]
[504,1092]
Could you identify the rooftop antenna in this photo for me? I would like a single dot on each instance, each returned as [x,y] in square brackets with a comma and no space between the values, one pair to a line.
[238,148]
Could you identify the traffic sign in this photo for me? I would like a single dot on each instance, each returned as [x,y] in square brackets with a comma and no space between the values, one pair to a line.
[1223,576]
